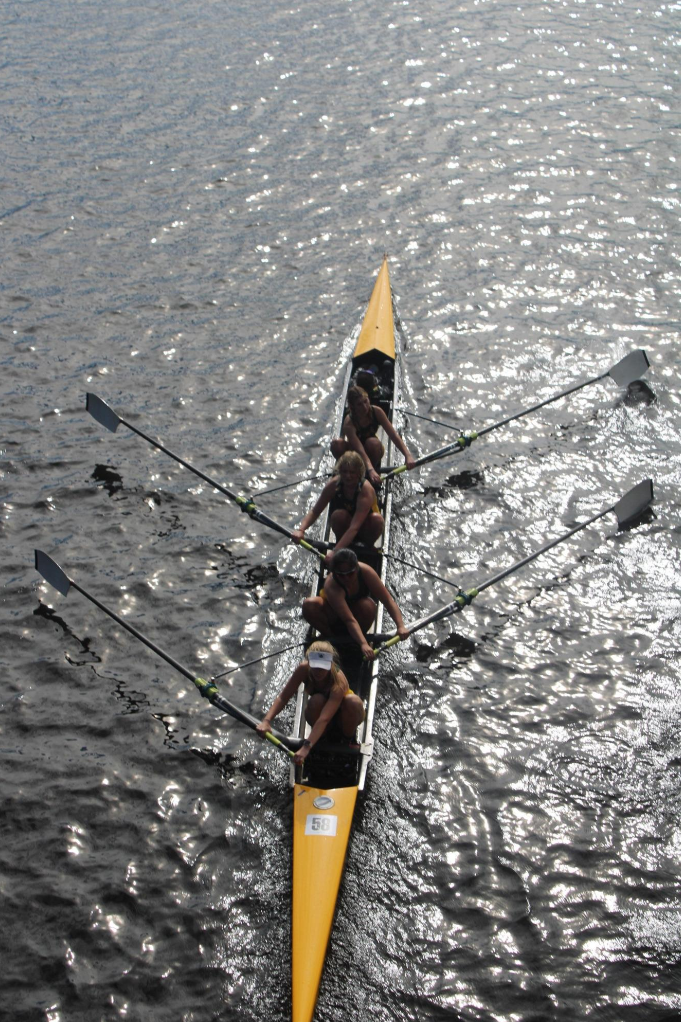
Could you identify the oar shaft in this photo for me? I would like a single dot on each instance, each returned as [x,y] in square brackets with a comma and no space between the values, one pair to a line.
[628,508]
[244,503]
[181,461]
[541,404]
[206,688]
[464,441]
[542,550]
[209,691]
[133,631]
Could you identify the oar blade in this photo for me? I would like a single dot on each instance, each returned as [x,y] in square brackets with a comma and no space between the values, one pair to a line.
[631,367]
[634,503]
[52,573]
[100,411]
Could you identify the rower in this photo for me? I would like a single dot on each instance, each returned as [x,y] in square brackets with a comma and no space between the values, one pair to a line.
[359,430]
[349,598]
[329,698]
[352,504]
[367,379]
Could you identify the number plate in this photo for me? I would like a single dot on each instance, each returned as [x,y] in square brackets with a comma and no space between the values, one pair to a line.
[319,824]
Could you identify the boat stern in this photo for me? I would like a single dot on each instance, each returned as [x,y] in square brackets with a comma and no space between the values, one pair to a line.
[322,819]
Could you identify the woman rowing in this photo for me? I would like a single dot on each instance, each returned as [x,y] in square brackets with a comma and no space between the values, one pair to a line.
[352,504]
[349,597]
[360,427]
[329,697]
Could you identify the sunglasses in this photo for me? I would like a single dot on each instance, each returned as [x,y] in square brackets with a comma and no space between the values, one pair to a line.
[341,573]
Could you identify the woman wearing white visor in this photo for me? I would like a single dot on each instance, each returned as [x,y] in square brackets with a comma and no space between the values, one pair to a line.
[328,696]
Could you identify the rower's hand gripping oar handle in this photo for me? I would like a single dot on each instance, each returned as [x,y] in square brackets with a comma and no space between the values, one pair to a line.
[464,599]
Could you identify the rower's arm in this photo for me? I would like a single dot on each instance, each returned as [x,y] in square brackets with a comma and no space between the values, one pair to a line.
[284,696]
[379,592]
[393,434]
[314,513]
[339,605]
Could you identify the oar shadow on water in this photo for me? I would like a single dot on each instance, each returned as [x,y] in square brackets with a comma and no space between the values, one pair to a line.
[465,480]
[230,767]
[87,656]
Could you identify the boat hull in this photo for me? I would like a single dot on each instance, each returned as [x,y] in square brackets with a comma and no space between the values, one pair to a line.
[335,771]
[322,819]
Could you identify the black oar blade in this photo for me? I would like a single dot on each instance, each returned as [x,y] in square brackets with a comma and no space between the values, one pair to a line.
[631,367]
[52,573]
[100,411]
[634,503]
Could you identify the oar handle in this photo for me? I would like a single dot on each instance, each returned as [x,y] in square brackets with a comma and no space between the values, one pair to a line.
[313,550]
[461,442]
[388,643]
[458,445]
[280,745]
[457,604]
[392,641]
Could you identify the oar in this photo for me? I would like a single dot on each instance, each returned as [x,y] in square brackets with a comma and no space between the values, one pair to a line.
[628,369]
[628,508]
[58,578]
[108,418]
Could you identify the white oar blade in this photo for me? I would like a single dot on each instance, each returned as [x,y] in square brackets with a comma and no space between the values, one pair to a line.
[631,367]
[52,573]
[100,411]
[634,503]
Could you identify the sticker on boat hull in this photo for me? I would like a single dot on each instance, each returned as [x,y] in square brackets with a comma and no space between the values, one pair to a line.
[320,826]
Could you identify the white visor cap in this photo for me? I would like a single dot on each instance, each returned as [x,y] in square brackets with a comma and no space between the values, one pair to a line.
[320,659]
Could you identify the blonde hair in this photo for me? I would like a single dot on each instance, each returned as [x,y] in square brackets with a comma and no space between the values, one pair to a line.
[356,393]
[355,460]
[322,646]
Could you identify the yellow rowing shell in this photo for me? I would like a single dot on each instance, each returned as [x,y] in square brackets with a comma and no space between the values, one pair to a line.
[321,829]
[322,818]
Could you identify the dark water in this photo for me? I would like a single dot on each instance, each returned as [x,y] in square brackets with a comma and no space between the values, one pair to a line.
[194,200]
